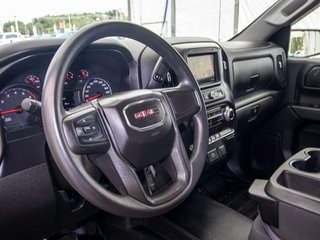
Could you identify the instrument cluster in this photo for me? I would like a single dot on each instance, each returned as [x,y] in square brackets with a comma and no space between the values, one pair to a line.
[80,85]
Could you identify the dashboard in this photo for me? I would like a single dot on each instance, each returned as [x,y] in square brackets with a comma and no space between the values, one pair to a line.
[238,94]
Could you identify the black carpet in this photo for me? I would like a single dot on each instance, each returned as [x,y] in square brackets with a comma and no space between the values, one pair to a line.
[209,220]
[231,191]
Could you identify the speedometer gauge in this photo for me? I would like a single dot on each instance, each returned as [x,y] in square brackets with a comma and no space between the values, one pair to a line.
[96,87]
[11,112]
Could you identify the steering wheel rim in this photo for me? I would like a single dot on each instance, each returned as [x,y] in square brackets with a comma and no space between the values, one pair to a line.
[60,133]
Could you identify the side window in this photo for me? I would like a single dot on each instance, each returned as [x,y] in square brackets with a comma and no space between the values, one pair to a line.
[305,36]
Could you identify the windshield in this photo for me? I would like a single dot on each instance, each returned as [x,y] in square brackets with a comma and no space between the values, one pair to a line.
[217,19]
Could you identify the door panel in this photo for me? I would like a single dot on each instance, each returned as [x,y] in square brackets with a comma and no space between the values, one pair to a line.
[307,105]
[296,124]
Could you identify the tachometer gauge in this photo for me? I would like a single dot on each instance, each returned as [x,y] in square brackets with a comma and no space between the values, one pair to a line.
[96,87]
[11,112]
[33,80]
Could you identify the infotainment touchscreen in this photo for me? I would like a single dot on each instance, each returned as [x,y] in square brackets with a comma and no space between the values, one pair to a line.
[202,67]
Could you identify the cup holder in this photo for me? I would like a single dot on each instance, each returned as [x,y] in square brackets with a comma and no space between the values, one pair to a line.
[310,164]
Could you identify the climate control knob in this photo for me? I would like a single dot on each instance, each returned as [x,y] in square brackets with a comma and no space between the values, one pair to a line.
[228,114]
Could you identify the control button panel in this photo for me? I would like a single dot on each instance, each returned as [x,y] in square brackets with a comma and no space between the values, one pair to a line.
[220,135]
[217,147]
[89,130]
[217,153]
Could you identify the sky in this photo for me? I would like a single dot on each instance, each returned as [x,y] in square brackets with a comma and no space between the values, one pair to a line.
[25,10]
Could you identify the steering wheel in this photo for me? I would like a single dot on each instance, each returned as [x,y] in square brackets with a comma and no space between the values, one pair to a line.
[126,132]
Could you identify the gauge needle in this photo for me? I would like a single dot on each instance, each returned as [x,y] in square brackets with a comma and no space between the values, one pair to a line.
[17,110]
[94,97]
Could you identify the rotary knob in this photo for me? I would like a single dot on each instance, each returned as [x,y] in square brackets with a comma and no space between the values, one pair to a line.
[228,114]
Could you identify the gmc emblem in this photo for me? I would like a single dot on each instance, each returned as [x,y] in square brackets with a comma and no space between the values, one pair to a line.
[146,113]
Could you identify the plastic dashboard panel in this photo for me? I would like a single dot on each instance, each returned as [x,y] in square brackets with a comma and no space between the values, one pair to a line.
[262,53]
[256,75]
[252,74]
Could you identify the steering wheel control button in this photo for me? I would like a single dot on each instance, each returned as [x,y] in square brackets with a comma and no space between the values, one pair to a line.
[79,131]
[88,130]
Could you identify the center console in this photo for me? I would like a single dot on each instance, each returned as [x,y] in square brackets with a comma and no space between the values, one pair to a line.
[204,58]
[290,199]
[206,65]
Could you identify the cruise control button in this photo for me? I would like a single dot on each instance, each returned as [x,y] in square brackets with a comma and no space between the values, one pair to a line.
[87,129]
[87,120]
[80,131]
[93,139]
[90,129]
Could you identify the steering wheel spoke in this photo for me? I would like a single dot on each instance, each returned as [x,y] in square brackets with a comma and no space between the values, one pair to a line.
[125,179]
[120,174]
[185,102]
[84,131]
